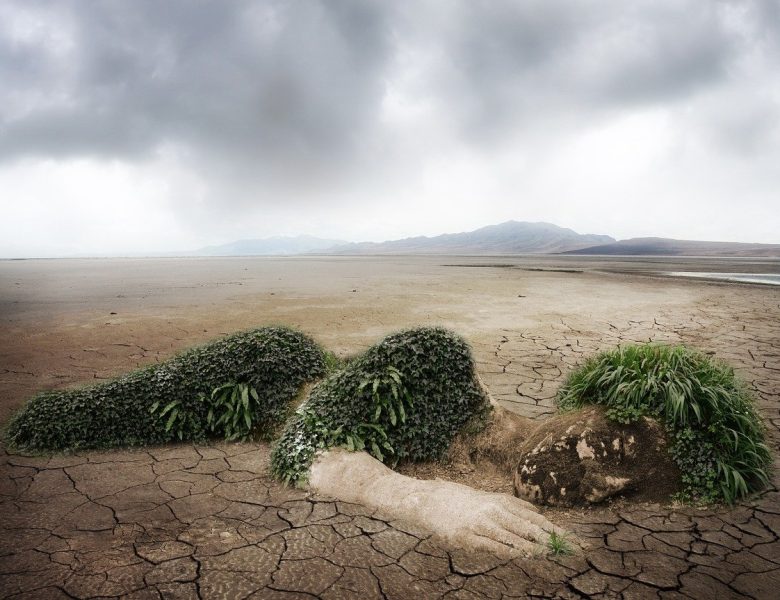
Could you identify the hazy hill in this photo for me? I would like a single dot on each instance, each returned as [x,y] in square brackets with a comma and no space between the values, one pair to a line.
[274,246]
[512,237]
[652,246]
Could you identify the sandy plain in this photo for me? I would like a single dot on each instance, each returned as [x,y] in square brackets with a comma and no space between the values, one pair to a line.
[529,320]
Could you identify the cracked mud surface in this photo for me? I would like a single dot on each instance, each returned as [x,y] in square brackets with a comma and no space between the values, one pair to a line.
[207,522]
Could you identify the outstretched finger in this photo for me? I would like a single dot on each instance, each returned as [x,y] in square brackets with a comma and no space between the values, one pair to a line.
[519,502]
[532,516]
[523,528]
[516,542]
[500,549]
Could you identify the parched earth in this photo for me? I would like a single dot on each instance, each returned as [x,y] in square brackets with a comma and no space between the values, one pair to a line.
[207,522]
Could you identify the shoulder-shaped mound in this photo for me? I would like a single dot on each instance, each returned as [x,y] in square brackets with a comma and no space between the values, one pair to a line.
[404,399]
[274,361]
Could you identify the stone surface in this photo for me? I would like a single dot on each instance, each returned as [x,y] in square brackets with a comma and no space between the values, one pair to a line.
[584,458]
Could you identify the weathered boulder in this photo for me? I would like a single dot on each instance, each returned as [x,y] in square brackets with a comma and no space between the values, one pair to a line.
[584,458]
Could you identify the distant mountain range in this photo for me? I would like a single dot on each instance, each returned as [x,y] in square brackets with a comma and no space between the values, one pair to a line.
[652,246]
[511,237]
[274,246]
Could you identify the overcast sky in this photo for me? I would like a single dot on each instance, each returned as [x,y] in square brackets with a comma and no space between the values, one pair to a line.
[136,126]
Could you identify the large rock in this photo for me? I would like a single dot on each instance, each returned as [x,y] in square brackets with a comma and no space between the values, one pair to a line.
[584,458]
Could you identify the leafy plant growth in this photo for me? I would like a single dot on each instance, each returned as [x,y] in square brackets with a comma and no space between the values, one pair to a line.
[404,399]
[233,410]
[334,362]
[558,545]
[184,398]
[716,435]
[177,418]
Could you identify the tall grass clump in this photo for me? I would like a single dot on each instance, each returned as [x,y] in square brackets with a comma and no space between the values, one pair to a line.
[403,399]
[716,435]
[229,388]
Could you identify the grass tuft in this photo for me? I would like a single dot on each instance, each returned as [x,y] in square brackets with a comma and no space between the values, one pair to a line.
[717,437]
[558,545]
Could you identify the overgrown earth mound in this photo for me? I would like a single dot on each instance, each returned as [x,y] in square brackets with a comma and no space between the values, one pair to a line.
[670,418]
[404,399]
[256,375]
[716,437]
[582,457]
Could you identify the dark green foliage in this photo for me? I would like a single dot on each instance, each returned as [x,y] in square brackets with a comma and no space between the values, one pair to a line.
[404,399]
[274,361]
[694,453]
[716,435]
[233,410]
[179,421]
[333,362]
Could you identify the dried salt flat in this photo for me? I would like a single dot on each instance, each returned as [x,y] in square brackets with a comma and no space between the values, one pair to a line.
[766,278]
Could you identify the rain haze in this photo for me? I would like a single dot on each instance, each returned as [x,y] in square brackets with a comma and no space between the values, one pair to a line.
[148,126]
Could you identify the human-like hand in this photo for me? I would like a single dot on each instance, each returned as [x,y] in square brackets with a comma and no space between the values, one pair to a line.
[480,520]
[464,516]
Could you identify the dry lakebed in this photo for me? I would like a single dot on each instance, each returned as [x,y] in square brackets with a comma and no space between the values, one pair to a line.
[207,521]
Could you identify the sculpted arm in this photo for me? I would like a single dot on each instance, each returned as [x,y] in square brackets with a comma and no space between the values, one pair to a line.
[462,515]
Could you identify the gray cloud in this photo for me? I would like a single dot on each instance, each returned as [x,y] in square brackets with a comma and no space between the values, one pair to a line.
[506,64]
[266,97]
[301,81]
[254,82]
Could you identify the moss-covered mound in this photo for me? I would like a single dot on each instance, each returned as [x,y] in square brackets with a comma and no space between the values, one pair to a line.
[271,363]
[716,435]
[404,399]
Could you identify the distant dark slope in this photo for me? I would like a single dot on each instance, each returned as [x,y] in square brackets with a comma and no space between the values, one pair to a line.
[275,246]
[667,247]
[512,237]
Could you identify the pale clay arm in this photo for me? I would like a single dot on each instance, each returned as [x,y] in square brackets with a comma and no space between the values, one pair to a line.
[465,517]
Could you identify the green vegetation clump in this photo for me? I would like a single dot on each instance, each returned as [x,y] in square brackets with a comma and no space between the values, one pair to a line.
[558,545]
[404,399]
[228,388]
[716,435]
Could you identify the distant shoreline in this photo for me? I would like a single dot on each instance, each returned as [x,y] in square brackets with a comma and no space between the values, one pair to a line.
[753,278]
[562,255]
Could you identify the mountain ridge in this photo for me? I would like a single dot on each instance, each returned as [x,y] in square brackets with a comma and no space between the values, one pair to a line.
[509,237]
[657,246]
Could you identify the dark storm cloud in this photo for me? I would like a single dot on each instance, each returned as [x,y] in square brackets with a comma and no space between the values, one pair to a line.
[273,80]
[509,63]
[274,86]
